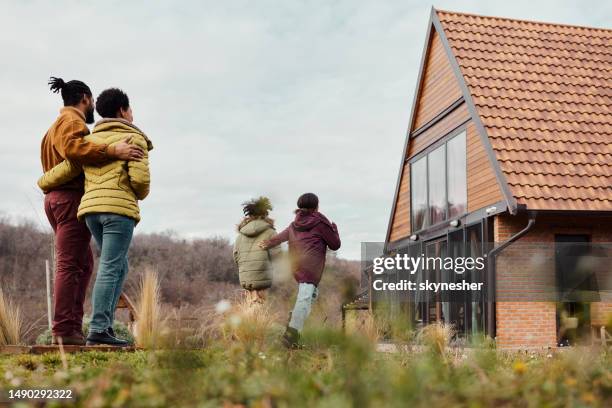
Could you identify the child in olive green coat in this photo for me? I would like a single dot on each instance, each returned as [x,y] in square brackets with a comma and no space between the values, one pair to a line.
[254,263]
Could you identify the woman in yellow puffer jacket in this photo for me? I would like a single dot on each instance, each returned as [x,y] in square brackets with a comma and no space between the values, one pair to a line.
[114,187]
[109,207]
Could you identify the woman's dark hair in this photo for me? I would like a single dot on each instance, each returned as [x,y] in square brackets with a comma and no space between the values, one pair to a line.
[110,101]
[257,207]
[308,201]
[72,91]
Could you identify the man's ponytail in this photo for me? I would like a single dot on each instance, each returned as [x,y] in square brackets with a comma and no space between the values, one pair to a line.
[72,91]
[56,84]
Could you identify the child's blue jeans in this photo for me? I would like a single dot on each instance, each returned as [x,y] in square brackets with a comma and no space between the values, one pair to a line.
[307,294]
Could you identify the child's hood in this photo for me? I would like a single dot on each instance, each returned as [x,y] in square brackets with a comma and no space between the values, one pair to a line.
[254,227]
[307,220]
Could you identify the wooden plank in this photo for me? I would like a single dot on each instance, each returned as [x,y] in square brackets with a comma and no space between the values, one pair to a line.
[483,197]
[436,105]
[400,226]
[77,349]
[484,183]
[481,167]
[438,98]
[439,130]
[483,189]
[43,349]
[14,349]
[440,87]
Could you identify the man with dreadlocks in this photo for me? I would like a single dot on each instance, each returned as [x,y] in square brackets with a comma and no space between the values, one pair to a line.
[254,267]
[73,258]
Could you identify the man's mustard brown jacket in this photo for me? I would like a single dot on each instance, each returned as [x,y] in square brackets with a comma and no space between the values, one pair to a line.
[114,187]
[65,140]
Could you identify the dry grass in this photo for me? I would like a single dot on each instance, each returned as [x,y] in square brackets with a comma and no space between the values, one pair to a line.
[436,337]
[251,324]
[150,324]
[363,323]
[370,329]
[10,321]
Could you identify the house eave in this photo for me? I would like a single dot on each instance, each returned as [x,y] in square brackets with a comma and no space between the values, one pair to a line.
[444,228]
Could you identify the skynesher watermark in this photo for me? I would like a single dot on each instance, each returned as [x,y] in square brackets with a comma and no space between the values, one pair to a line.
[435,287]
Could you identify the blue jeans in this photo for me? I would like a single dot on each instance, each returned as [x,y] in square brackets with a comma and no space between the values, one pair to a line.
[113,234]
[307,294]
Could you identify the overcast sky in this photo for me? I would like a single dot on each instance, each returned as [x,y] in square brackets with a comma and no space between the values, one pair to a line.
[240,98]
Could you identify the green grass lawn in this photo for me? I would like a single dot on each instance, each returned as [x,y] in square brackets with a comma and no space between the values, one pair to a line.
[332,371]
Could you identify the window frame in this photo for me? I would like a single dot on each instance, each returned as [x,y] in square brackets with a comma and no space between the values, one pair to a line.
[445,177]
[448,212]
[424,154]
[412,218]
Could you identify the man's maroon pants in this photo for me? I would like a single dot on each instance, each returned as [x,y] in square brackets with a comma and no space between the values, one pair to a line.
[73,261]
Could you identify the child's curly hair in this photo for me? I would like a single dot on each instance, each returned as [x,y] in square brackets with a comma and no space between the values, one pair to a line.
[257,207]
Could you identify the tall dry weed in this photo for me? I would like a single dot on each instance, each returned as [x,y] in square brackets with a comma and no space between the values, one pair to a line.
[436,337]
[150,326]
[10,321]
[241,321]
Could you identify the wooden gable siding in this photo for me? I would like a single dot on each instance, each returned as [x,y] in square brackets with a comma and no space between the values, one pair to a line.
[440,90]
[439,87]
[400,224]
[482,186]
[439,130]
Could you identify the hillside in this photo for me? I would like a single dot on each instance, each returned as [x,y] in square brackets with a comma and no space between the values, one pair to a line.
[195,274]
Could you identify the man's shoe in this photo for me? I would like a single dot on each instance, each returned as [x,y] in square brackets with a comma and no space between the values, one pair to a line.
[72,340]
[112,333]
[79,335]
[105,338]
[291,338]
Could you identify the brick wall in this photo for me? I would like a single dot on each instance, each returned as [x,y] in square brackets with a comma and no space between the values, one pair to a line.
[526,325]
[601,313]
[526,276]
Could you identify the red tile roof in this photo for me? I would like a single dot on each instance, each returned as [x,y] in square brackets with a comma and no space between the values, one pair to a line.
[544,95]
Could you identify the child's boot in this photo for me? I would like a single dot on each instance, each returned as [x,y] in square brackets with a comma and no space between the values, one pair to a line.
[291,338]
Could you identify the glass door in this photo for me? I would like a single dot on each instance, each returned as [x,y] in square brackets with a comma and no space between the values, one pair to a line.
[435,309]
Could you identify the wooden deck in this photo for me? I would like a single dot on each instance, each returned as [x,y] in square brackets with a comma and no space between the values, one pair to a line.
[56,349]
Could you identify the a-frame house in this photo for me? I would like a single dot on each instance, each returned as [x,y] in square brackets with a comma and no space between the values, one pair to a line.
[509,154]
